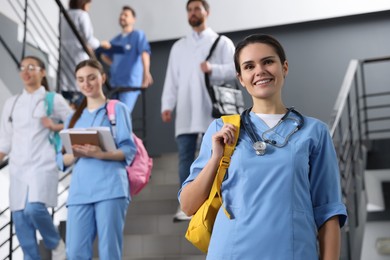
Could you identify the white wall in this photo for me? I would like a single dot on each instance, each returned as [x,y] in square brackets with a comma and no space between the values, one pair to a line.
[166,19]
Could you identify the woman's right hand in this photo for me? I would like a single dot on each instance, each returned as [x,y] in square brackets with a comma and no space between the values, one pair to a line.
[224,136]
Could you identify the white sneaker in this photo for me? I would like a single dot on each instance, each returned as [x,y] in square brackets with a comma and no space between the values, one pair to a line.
[180,216]
[59,253]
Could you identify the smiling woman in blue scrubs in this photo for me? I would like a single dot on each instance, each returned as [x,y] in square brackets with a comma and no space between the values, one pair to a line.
[282,187]
[99,188]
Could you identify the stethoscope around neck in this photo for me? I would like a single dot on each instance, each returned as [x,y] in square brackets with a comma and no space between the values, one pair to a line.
[260,144]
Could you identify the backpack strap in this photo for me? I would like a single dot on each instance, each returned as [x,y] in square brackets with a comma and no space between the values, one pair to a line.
[225,160]
[54,137]
[110,108]
[49,102]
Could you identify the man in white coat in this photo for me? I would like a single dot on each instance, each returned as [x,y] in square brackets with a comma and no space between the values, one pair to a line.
[185,86]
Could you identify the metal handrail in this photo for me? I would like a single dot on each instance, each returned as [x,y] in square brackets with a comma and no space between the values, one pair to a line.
[31,12]
[3,164]
[342,95]
[349,128]
[10,53]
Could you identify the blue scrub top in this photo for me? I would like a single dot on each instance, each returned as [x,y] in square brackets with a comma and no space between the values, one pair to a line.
[96,180]
[127,68]
[278,201]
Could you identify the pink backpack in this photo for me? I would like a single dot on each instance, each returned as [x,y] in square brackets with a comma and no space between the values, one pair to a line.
[139,171]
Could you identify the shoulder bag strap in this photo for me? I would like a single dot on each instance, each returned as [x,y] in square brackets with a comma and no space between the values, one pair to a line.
[213,47]
[225,160]
[206,75]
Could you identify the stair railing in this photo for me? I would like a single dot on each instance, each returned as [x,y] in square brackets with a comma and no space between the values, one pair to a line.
[35,25]
[352,126]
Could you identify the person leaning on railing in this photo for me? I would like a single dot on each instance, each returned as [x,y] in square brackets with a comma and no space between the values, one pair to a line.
[72,51]
[129,60]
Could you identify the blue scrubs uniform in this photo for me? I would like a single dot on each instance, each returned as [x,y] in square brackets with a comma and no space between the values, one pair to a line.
[99,192]
[127,68]
[278,201]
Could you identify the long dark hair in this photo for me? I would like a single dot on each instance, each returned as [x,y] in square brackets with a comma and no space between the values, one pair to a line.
[86,63]
[41,64]
[78,4]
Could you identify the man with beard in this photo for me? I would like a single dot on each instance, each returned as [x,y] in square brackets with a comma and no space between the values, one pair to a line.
[185,86]
[129,59]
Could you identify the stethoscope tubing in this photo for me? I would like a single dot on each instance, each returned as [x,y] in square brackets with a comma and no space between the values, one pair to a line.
[245,117]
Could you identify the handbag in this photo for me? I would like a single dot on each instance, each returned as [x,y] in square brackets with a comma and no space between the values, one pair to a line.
[201,224]
[226,98]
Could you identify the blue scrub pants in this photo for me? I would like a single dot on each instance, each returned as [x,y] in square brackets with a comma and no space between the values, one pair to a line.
[128,98]
[34,216]
[186,145]
[106,219]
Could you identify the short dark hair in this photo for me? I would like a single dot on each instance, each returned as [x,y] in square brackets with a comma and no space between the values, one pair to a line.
[78,4]
[128,8]
[258,38]
[204,3]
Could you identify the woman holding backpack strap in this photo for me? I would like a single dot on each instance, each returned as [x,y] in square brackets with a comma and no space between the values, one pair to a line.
[99,189]
[282,188]
[24,135]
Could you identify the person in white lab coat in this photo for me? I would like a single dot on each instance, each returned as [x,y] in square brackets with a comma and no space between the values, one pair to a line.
[185,86]
[24,136]
[72,51]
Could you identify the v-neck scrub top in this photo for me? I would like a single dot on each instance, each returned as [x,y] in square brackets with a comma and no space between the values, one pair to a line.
[278,201]
[96,180]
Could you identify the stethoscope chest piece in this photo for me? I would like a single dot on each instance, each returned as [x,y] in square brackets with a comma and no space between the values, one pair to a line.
[260,147]
[260,144]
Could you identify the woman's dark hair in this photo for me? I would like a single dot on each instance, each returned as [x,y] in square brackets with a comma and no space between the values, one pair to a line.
[86,63]
[41,64]
[258,38]
[128,8]
[204,3]
[78,4]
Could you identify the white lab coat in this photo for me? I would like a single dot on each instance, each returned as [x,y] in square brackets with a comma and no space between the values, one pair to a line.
[32,159]
[184,86]
[72,52]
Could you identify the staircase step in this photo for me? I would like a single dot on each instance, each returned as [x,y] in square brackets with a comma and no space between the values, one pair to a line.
[181,257]
[170,257]
[158,247]
[154,224]
[153,207]
[157,192]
